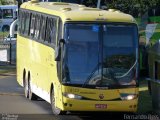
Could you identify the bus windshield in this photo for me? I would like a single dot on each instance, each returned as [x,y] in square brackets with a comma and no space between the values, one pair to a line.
[100,54]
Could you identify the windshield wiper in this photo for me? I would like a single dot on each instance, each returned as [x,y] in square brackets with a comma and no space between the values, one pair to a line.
[127,71]
[92,73]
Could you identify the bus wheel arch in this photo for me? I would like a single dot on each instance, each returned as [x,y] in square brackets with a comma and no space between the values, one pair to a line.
[31,95]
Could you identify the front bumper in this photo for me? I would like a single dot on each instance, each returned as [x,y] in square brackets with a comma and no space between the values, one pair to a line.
[91,105]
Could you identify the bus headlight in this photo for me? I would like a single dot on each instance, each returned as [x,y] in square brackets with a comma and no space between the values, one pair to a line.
[128,96]
[72,96]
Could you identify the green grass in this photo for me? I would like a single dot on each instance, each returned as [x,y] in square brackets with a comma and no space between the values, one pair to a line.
[155,19]
[7,69]
[145,101]
[3,34]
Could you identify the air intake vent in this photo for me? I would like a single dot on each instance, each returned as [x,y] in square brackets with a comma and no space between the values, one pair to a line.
[34,1]
[66,9]
[59,3]
[89,9]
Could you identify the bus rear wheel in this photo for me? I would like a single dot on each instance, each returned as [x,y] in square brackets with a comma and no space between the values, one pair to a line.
[26,92]
[55,110]
[31,95]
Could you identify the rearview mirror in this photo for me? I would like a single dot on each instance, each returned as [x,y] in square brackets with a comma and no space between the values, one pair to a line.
[58,50]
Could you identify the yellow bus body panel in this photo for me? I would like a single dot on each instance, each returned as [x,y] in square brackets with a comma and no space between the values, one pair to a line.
[111,99]
[75,12]
[38,59]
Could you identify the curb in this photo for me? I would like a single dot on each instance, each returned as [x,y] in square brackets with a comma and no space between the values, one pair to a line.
[8,74]
[12,94]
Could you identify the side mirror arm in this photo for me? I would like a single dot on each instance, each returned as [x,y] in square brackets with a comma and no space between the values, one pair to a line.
[58,53]
[58,50]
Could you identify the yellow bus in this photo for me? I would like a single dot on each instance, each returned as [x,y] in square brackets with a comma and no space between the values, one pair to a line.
[78,58]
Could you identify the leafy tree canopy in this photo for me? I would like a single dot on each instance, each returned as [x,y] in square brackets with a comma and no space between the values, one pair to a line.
[6,2]
[133,7]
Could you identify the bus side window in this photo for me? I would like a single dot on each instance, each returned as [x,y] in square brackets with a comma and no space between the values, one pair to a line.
[20,21]
[43,27]
[27,23]
[48,30]
[40,28]
[51,30]
[32,27]
[23,22]
[37,26]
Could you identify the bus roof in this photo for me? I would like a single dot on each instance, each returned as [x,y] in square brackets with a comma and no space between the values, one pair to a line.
[8,6]
[76,12]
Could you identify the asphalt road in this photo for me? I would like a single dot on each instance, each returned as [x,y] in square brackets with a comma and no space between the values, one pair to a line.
[14,106]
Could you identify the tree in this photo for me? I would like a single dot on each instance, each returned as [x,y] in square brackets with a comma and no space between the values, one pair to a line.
[6,2]
[137,8]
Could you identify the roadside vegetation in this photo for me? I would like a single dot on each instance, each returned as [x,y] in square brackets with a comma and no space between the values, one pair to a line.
[145,101]
[3,35]
[134,7]
[6,2]
[7,69]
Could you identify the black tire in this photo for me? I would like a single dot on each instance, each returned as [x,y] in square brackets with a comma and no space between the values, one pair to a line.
[31,95]
[26,92]
[5,28]
[55,110]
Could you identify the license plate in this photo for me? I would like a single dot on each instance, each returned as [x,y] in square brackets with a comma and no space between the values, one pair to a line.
[101,106]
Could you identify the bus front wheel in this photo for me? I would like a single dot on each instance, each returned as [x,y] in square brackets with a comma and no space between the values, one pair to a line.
[56,111]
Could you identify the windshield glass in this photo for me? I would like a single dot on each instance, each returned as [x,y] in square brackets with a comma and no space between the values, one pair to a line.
[119,54]
[100,54]
[82,52]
